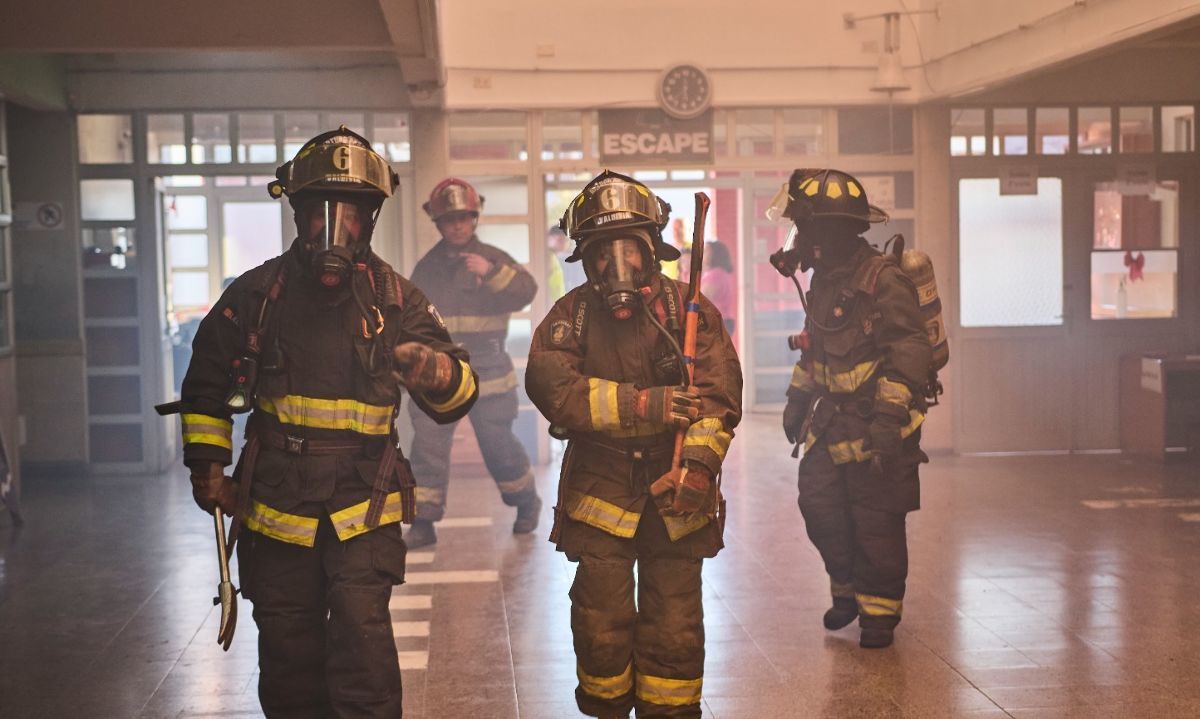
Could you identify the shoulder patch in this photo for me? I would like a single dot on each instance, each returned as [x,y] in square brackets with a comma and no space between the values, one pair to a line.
[559,331]
[437,317]
[230,315]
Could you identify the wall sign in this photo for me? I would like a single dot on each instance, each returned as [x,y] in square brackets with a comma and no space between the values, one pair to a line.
[1019,180]
[650,136]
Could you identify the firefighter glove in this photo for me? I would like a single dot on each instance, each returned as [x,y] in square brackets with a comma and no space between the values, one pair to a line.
[668,406]
[794,414]
[212,489]
[884,435]
[422,369]
[675,495]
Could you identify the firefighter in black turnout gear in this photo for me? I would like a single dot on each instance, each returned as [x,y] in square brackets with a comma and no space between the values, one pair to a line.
[477,287]
[318,343]
[856,400]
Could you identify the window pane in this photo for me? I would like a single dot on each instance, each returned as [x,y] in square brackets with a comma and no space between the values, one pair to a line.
[1010,254]
[353,121]
[185,181]
[210,138]
[108,247]
[186,212]
[520,335]
[488,136]
[513,239]
[1133,284]
[391,136]
[562,136]
[105,139]
[256,137]
[298,128]
[1130,217]
[967,132]
[189,289]
[252,233]
[164,140]
[803,131]
[865,130]
[1053,130]
[1095,131]
[106,199]
[1010,131]
[1179,128]
[502,195]
[755,132]
[187,249]
[1137,129]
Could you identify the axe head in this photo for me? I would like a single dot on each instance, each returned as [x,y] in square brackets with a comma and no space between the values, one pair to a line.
[227,598]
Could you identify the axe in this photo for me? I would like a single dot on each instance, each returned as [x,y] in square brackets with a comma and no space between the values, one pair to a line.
[226,592]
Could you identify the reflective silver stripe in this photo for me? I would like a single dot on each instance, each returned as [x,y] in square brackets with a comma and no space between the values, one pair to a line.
[520,484]
[431,495]
[602,401]
[290,528]
[844,382]
[346,414]
[469,324]
[352,521]
[605,687]
[206,429]
[801,379]
[709,432]
[498,385]
[602,515]
[501,279]
[892,393]
[669,692]
[874,606]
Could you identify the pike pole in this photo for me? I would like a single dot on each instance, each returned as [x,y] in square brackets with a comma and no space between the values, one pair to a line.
[691,320]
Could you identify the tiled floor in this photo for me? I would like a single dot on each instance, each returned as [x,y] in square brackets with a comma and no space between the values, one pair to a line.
[1040,587]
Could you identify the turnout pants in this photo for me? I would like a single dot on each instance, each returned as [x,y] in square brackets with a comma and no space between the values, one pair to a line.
[503,453]
[856,520]
[325,644]
[648,654]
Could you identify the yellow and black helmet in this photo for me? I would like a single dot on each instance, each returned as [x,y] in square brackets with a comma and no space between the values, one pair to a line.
[613,201]
[339,161]
[815,193]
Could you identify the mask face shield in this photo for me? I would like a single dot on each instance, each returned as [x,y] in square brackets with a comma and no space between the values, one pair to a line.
[337,233]
[617,266]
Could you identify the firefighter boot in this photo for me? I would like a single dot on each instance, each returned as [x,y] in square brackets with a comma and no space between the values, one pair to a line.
[420,534]
[843,611]
[876,632]
[527,516]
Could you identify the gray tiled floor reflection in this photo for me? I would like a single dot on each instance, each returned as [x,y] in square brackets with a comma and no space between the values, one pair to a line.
[1023,602]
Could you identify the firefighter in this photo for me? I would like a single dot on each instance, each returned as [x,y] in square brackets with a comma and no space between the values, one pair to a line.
[605,370]
[856,398]
[476,286]
[317,343]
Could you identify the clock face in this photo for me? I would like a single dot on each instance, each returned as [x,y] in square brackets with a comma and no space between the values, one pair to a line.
[684,91]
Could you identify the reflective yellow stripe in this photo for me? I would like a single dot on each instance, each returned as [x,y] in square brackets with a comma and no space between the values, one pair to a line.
[605,687]
[892,393]
[843,382]
[874,606]
[500,280]
[466,389]
[842,591]
[709,432]
[639,429]
[802,380]
[669,692]
[680,527]
[498,385]
[602,515]
[852,450]
[520,484]
[468,324]
[290,528]
[602,401]
[204,429]
[431,495]
[352,521]
[345,414]
[915,419]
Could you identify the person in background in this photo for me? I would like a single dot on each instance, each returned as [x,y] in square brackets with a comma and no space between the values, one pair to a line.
[719,284]
[569,274]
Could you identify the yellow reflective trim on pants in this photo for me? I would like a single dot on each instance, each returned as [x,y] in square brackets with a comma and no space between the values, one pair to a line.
[873,606]
[892,393]
[844,382]
[602,401]
[430,495]
[290,528]
[205,429]
[852,450]
[605,687]
[471,324]
[466,389]
[351,521]
[498,385]
[602,515]
[709,432]
[520,484]
[802,380]
[346,414]
[680,527]
[669,692]
[501,279]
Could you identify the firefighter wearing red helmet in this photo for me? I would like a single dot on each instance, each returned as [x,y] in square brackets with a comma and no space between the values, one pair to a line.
[857,398]
[319,344]
[477,287]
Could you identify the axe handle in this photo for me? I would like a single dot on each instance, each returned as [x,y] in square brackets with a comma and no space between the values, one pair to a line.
[692,315]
